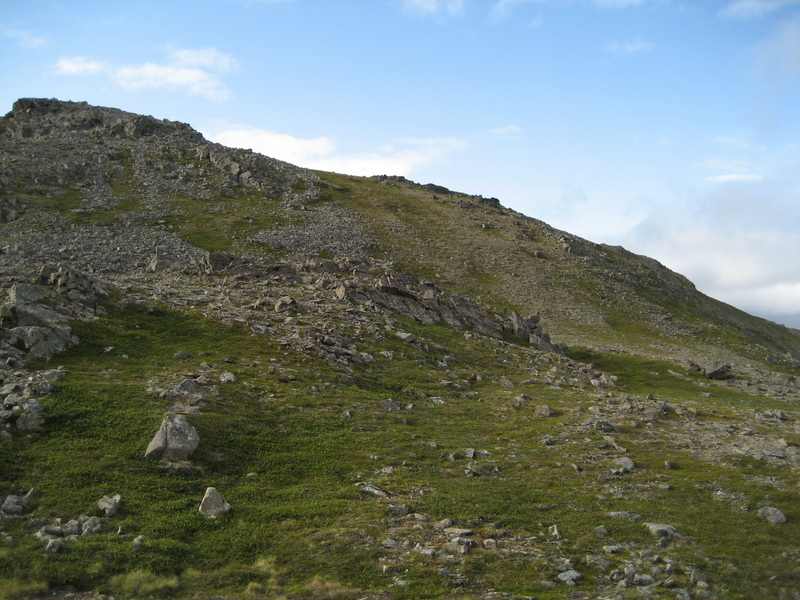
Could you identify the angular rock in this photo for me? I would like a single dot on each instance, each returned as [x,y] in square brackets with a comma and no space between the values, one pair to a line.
[23,292]
[175,440]
[92,525]
[213,504]
[110,506]
[719,372]
[625,464]
[373,489]
[663,531]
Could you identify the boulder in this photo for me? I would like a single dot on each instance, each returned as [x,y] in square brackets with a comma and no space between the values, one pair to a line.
[771,515]
[213,504]
[719,372]
[543,410]
[22,292]
[175,440]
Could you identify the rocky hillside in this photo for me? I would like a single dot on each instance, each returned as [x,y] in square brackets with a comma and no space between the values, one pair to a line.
[224,374]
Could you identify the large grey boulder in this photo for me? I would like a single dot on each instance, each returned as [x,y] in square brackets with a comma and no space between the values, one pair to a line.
[175,440]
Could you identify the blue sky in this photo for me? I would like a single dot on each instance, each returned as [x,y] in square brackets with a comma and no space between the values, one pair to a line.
[671,127]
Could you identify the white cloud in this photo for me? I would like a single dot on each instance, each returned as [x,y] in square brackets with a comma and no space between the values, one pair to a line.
[294,150]
[79,65]
[193,71]
[737,242]
[747,9]
[634,46]
[427,7]
[26,39]
[402,158]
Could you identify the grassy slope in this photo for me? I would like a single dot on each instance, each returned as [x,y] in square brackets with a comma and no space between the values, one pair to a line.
[589,295]
[301,526]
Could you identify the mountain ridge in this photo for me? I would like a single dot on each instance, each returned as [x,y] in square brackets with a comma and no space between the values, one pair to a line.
[400,390]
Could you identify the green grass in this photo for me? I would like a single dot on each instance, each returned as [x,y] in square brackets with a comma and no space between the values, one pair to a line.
[300,526]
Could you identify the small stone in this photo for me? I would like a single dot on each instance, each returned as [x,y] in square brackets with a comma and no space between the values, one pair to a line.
[213,504]
[596,561]
[623,514]
[625,464]
[399,510]
[443,524]
[601,530]
[458,531]
[92,525]
[227,377]
[109,506]
[406,337]
[570,577]
[771,515]
[697,578]
[663,531]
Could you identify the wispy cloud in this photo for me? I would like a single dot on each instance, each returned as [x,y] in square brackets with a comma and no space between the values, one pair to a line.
[504,133]
[502,8]
[430,7]
[196,72]
[634,46]
[750,9]
[734,177]
[402,157]
[26,39]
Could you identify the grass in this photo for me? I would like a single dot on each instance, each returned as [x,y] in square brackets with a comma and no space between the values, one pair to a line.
[287,460]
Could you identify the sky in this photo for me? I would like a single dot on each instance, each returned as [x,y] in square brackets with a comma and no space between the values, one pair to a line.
[669,127]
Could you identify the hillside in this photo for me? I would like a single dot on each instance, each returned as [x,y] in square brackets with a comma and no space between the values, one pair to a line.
[401,391]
